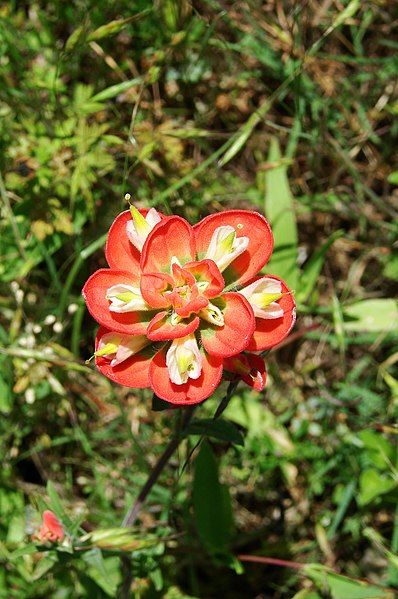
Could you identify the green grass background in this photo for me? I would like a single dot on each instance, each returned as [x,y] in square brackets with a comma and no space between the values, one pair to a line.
[289,108]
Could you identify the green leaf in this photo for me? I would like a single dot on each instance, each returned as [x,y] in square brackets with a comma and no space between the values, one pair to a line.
[372,484]
[380,451]
[313,268]
[373,315]
[220,429]
[212,504]
[113,27]
[122,539]
[391,268]
[279,210]
[25,550]
[5,392]
[56,506]
[44,566]
[348,12]
[393,178]
[236,146]
[100,572]
[76,37]
[115,90]
[342,587]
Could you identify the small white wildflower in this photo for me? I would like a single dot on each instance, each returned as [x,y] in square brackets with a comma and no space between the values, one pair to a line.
[30,341]
[48,351]
[58,327]
[14,286]
[19,296]
[49,319]
[37,329]
[30,395]
[31,298]
[72,308]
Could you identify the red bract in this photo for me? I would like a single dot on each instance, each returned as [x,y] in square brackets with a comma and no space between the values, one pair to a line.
[248,367]
[178,303]
[51,529]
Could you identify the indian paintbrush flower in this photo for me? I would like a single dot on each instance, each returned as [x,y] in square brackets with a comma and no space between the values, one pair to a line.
[179,303]
[51,529]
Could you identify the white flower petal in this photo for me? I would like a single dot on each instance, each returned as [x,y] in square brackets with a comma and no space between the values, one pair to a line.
[262,295]
[139,227]
[272,311]
[184,360]
[225,246]
[212,314]
[125,298]
[119,348]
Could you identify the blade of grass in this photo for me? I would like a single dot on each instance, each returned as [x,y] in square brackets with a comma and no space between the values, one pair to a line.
[280,212]
[348,494]
[78,263]
[313,268]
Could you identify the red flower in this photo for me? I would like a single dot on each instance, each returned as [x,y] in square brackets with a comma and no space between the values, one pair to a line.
[178,300]
[50,530]
[249,367]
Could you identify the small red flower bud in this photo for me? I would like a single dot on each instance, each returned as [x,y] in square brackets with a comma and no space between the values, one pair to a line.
[50,530]
[249,367]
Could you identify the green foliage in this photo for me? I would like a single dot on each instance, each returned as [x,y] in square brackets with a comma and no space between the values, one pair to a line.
[279,210]
[212,504]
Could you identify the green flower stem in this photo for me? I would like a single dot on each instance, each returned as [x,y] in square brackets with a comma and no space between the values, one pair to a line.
[133,512]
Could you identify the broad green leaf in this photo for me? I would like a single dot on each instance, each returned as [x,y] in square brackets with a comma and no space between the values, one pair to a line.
[373,316]
[260,422]
[342,587]
[279,210]
[44,565]
[212,504]
[380,450]
[102,571]
[313,267]
[220,429]
[372,484]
